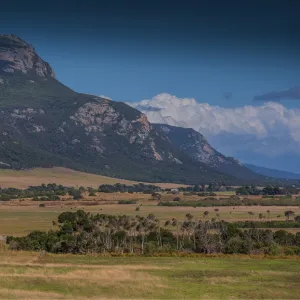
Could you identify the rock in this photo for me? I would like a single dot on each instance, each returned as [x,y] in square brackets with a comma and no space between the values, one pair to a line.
[17,55]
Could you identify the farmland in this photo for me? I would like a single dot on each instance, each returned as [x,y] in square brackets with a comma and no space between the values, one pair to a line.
[179,273]
[19,218]
[23,179]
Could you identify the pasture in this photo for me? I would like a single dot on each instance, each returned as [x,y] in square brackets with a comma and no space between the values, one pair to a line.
[67,177]
[27,275]
[20,217]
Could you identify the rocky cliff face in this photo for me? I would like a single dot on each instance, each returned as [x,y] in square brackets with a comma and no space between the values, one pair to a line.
[197,147]
[44,123]
[17,55]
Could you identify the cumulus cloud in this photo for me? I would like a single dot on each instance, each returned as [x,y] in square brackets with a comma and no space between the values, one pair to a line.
[290,94]
[270,129]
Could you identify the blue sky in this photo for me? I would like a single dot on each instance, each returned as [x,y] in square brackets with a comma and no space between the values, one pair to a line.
[130,54]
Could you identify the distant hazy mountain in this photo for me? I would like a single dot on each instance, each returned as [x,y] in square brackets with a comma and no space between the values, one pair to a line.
[197,147]
[267,135]
[44,123]
[273,172]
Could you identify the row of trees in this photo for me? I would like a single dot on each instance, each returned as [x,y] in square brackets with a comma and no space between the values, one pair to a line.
[50,191]
[268,190]
[81,232]
[233,201]
[123,188]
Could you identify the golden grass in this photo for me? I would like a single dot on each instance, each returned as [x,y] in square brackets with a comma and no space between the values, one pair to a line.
[105,274]
[19,218]
[24,178]
[28,295]
[34,279]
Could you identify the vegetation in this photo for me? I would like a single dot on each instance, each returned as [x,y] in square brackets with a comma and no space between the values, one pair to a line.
[126,202]
[268,224]
[234,201]
[81,232]
[43,192]
[268,190]
[123,188]
[28,275]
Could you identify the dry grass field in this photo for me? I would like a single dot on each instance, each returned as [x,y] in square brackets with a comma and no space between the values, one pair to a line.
[26,275]
[21,217]
[67,177]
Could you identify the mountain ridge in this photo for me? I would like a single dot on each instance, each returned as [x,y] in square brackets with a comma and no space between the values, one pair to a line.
[266,134]
[275,173]
[45,123]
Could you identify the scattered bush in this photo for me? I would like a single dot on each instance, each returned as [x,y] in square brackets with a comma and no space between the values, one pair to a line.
[127,202]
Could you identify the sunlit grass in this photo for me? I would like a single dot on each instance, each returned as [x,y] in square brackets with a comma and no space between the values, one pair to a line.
[21,219]
[29,276]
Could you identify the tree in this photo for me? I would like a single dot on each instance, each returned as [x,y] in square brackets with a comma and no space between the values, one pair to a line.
[297,219]
[251,214]
[288,214]
[76,194]
[206,213]
[189,216]
[156,196]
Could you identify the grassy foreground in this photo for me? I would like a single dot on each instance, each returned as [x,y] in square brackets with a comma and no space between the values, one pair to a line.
[28,276]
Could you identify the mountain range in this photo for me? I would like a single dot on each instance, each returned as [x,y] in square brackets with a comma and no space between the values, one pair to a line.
[273,172]
[44,123]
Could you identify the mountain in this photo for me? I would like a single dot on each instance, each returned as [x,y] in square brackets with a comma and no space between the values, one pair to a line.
[44,123]
[267,135]
[273,172]
[197,147]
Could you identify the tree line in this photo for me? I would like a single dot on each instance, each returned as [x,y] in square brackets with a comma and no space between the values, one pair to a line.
[234,201]
[53,191]
[268,190]
[81,232]
[123,188]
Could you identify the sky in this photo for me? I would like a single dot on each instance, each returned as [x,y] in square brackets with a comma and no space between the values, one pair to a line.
[225,53]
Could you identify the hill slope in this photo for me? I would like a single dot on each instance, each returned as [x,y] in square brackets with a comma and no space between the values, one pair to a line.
[273,172]
[67,177]
[197,147]
[44,123]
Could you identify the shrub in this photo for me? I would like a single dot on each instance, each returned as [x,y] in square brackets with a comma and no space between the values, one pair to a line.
[127,202]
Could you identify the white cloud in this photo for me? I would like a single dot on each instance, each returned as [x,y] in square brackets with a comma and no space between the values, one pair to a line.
[270,129]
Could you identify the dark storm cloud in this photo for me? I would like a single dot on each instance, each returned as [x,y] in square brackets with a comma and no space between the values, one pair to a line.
[289,94]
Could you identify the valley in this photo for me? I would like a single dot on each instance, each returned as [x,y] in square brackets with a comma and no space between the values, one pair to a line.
[98,202]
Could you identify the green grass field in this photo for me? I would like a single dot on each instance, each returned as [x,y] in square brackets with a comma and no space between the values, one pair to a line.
[26,275]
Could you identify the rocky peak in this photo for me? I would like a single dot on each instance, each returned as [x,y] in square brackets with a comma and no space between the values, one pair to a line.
[17,55]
